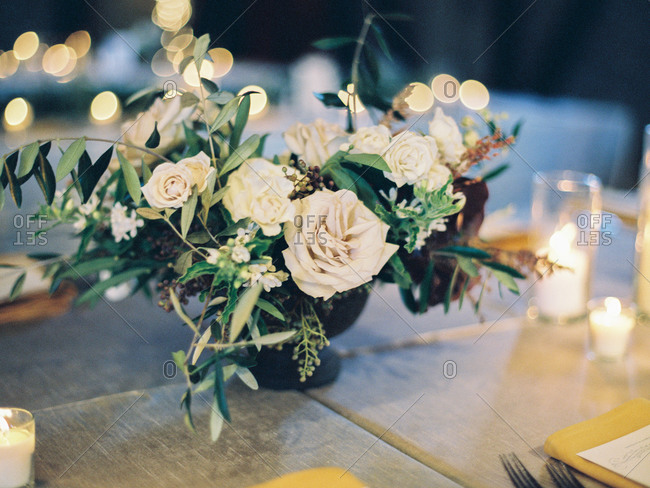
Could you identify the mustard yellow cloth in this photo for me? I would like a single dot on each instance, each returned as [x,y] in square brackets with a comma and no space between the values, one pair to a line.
[566,443]
[315,478]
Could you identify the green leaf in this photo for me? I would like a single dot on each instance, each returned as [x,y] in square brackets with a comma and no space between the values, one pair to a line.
[247,377]
[241,154]
[504,269]
[45,178]
[145,92]
[27,158]
[100,167]
[231,230]
[409,299]
[495,172]
[333,42]
[227,112]
[70,158]
[274,338]
[14,187]
[517,128]
[216,421]
[154,139]
[206,196]
[18,287]
[240,120]
[187,212]
[342,179]
[330,99]
[450,290]
[480,297]
[381,41]
[216,198]
[2,198]
[183,263]
[209,85]
[271,309]
[370,160]
[425,286]
[188,99]
[146,172]
[100,287]
[400,275]
[243,310]
[198,269]
[184,64]
[200,237]
[85,165]
[148,213]
[470,252]
[179,358]
[221,97]
[200,50]
[462,292]
[130,177]
[88,267]
[507,280]
[220,391]
[468,266]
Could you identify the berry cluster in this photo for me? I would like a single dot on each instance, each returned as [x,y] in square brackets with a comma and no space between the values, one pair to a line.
[182,290]
[306,179]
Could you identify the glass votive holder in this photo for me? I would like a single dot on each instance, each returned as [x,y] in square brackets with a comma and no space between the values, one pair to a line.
[610,326]
[17,445]
[565,228]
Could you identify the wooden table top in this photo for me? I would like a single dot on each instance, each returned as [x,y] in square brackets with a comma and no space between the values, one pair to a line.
[107,415]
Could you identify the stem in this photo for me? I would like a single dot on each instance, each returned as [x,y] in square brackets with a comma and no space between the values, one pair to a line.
[166,219]
[207,128]
[354,75]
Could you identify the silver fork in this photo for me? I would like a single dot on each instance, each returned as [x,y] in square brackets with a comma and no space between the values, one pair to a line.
[562,476]
[518,472]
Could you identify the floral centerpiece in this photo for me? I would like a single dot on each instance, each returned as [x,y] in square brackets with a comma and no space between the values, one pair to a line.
[184,205]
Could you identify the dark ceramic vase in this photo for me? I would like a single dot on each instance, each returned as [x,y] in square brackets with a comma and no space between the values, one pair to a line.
[277,370]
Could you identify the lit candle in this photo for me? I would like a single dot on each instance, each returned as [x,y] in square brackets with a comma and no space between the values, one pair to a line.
[17,444]
[609,329]
[563,293]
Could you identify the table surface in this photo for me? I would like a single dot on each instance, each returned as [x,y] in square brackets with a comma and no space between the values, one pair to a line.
[421,401]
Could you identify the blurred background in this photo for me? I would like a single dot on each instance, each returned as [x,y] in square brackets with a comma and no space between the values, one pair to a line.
[575,72]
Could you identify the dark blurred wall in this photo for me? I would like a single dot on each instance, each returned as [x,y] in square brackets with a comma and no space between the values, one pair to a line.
[595,49]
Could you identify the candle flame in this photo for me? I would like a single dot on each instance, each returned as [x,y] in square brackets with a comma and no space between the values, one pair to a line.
[613,306]
[560,241]
[4,425]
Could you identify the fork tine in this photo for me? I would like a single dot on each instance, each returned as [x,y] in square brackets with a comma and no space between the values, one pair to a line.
[512,474]
[524,472]
[558,478]
[564,468]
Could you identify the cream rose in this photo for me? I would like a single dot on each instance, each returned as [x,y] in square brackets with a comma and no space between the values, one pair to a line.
[448,138]
[369,140]
[437,178]
[259,189]
[199,167]
[335,243]
[410,158]
[314,142]
[170,186]
[169,114]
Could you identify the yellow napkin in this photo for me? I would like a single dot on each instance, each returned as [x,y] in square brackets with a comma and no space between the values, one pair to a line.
[566,443]
[315,478]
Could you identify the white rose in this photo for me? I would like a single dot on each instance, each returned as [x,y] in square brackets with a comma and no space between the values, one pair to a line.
[199,167]
[169,114]
[314,142]
[437,178]
[448,138]
[170,185]
[335,243]
[259,189]
[369,140]
[410,158]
